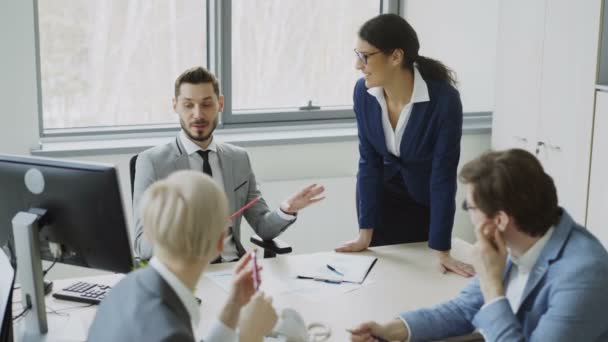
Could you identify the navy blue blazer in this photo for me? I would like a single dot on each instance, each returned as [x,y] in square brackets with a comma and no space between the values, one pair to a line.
[430,150]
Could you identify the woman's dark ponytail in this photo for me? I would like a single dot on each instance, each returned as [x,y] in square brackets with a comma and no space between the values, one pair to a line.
[435,70]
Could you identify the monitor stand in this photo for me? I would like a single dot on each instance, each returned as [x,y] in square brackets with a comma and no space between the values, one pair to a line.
[26,226]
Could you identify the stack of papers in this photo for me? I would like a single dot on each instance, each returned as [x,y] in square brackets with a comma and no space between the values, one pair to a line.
[348,274]
[340,268]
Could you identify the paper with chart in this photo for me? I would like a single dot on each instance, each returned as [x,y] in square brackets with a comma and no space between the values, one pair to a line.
[340,267]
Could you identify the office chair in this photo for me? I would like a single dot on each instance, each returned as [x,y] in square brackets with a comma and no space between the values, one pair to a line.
[271,247]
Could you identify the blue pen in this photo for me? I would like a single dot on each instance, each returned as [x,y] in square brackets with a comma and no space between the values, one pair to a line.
[329,281]
[333,269]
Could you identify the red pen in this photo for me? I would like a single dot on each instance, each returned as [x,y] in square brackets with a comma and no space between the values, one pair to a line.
[247,206]
[256,275]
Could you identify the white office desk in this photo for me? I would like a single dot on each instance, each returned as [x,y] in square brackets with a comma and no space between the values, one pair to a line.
[405,277]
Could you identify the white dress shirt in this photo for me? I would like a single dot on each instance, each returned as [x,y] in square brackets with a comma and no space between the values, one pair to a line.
[392,137]
[520,272]
[219,331]
[230,252]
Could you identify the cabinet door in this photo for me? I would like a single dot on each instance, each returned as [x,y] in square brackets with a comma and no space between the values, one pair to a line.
[518,74]
[569,71]
[597,213]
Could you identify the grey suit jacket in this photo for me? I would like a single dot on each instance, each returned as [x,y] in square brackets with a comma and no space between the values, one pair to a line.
[141,307]
[239,184]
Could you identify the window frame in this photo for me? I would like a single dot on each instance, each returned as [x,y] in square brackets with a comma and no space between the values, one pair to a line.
[219,46]
[223,11]
[267,117]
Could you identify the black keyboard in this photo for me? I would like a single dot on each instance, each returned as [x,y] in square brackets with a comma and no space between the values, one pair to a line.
[83,292]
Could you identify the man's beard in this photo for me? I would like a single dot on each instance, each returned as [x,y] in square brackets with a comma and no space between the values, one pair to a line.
[199,138]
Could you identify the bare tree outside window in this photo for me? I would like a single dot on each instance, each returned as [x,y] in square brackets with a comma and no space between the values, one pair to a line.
[110,63]
[113,62]
[287,52]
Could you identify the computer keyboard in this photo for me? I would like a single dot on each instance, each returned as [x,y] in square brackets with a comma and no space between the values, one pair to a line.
[83,292]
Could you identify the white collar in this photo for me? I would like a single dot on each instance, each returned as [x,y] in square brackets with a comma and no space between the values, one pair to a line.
[526,262]
[184,294]
[419,94]
[191,147]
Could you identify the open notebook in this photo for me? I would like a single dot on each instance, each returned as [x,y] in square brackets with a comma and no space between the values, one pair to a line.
[340,268]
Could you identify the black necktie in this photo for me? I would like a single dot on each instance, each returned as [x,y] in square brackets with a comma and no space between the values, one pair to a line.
[206,165]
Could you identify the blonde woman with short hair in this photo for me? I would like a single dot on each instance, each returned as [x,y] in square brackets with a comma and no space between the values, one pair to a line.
[185,217]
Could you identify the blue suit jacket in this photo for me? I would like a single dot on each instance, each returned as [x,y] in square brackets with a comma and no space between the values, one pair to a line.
[430,150]
[565,298]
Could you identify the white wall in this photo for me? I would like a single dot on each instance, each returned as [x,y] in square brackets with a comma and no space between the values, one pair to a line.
[332,164]
[461,34]
[18,97]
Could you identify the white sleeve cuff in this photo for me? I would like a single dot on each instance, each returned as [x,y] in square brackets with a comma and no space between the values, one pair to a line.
[219,332]
[285,216]
[407,327]
[492,302]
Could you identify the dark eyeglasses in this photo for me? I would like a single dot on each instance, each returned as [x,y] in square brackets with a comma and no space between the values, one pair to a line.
[363,56]
[466,206]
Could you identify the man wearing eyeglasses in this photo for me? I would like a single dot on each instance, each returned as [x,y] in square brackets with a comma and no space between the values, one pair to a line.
[540,275]
[197,103]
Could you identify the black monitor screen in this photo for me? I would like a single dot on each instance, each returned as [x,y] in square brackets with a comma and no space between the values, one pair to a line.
[84,209]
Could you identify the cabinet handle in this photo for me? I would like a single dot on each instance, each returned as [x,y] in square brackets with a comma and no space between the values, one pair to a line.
[538,145]
[554,147]
[522,139]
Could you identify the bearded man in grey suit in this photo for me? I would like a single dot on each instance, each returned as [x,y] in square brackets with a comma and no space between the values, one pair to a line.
[197,102]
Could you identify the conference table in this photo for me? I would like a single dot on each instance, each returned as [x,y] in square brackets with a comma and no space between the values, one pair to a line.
[405,277]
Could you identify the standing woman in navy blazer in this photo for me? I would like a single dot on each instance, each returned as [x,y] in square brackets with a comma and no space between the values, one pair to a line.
[409,119]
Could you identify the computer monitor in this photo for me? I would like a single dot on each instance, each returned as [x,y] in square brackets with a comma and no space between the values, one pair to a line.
[84,209]
[74,205]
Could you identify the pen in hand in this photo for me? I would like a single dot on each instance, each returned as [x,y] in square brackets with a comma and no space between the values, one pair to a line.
[256,274]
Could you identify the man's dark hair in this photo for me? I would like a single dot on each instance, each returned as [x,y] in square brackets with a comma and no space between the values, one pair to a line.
[197,75]
[513,181]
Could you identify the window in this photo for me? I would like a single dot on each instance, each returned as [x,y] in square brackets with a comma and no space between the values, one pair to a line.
[286,53]
[113,62]
[110,65]
[291,60]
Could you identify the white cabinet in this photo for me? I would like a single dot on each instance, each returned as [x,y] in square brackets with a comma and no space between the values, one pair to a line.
[569,72]
[545,89]
[519,55]
[597,213]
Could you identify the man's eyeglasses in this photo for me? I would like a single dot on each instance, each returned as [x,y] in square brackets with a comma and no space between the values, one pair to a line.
[363,56]
[466,206]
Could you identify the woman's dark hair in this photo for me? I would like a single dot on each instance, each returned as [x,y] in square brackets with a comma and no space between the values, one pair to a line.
[389,32]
